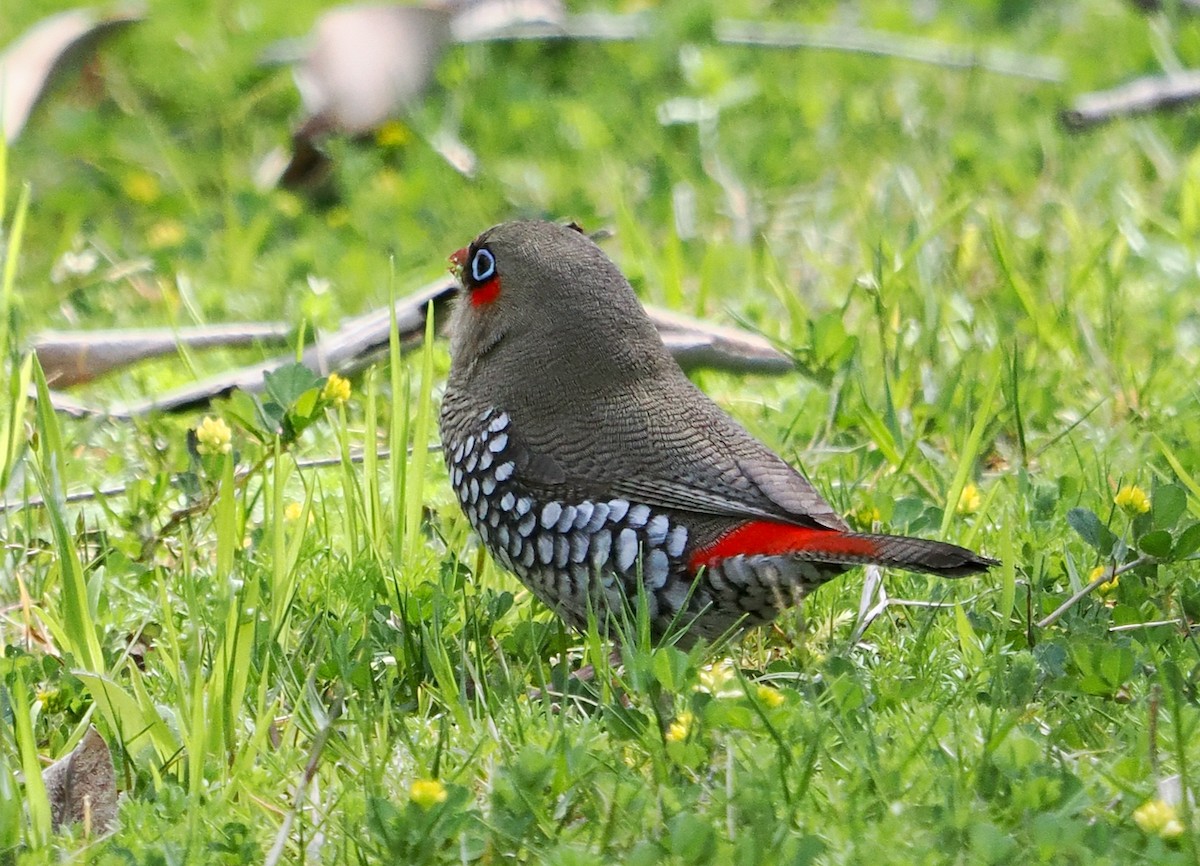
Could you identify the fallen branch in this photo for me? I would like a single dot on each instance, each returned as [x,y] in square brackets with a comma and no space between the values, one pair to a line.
[1107,575]
[1134,626]
[600,27]
[300,792]
[350,349]
[71,358]
[364,339]
[1141,96]
[878,43]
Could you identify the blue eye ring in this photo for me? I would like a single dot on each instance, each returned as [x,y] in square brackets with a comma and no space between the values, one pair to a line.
[483,265]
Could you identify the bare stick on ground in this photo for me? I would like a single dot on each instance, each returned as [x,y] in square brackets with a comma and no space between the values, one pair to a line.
[364,339]
[1142,96]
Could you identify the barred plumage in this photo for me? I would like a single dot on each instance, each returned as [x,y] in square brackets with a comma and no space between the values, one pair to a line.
[597,473]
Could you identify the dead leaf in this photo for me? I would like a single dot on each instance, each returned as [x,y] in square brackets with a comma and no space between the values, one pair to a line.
[82,787]
[44,54]
[367,63]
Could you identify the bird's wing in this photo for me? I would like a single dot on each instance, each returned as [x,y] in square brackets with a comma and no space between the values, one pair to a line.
[688,456]
[750,485]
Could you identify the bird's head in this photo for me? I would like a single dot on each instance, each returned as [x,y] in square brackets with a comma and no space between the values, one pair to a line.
[541,301]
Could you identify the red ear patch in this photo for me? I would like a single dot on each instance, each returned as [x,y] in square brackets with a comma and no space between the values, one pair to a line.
[475,269]
[485,293]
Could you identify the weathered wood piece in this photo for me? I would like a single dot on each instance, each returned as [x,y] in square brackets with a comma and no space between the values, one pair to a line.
[1140,96]
[364,339]
[71,358]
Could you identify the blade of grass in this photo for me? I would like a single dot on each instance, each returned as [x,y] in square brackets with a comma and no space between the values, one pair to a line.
[1019,285]
[970,451]
[376,520]
[35,790]
[12,429]
[10,806]
[79,625]
[351,489]
[11,255]
[135,723]
[285,592]
[967,639]
[414,494]
[236,651]
[1008,573]
[398,431]
[1180,472]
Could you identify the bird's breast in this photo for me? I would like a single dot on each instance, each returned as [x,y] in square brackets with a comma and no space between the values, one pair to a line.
[561,545]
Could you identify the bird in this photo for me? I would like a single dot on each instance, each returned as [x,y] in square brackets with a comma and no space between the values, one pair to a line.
[595,471]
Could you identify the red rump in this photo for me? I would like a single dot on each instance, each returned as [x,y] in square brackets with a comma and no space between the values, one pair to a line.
[764,538]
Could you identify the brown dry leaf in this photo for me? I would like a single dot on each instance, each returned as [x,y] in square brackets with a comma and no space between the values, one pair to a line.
[367,63]
[82,787]
[43,55]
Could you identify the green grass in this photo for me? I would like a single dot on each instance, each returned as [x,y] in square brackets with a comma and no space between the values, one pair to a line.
[977,301]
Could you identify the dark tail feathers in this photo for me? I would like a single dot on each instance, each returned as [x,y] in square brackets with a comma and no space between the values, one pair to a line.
[899,551]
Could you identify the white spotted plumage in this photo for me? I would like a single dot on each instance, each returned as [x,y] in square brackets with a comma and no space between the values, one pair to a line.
[564,550]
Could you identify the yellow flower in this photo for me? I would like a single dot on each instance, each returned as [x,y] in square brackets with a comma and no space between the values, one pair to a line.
[393,134]
[715,677]
[288,204]
[680,728]
[1158,818]
[213,436]
[769,697]
[165,233]
[141,186]
[1132,500]
[427,793]
[337,389]
[293,511]
[387,181]
[868,516]
[969,500]
[1109,585]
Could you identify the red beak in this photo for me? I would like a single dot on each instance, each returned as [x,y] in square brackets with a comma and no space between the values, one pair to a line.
[458,261]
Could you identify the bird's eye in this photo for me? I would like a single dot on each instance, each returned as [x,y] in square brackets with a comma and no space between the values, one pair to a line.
[483,265]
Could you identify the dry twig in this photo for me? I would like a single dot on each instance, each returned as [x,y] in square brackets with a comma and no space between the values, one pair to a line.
[364,339]
[1144,95]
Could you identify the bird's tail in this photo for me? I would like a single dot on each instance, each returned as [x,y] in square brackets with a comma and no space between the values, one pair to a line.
[893,551]
[834,547]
